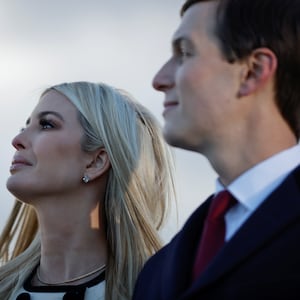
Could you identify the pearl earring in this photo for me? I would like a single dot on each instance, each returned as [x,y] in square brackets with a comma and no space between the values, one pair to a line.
[85,179]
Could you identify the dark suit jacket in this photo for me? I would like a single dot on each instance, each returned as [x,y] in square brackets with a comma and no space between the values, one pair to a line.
[261,261]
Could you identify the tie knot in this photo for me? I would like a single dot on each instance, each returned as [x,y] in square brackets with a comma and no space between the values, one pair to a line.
[220,204]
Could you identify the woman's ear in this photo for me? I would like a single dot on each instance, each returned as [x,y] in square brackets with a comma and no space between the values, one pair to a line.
[260,67]
[99,165]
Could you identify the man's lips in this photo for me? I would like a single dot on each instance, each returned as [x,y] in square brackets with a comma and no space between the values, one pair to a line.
[168,105]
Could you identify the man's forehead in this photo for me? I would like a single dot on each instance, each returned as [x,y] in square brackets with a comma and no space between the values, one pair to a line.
[200,17]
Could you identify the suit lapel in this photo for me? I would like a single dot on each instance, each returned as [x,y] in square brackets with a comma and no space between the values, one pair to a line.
[267,222]
[178,264]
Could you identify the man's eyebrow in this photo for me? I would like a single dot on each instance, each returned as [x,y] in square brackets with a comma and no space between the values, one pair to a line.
[178,40]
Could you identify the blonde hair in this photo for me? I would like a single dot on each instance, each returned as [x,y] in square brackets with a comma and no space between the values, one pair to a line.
[140,183]
[22,229]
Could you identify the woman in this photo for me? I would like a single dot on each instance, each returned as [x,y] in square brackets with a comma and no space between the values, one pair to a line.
[92,168]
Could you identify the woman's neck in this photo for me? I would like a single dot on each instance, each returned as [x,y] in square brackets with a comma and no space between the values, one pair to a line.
[73,240]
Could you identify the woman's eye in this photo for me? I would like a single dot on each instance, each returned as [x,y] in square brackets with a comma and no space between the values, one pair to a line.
[45,124]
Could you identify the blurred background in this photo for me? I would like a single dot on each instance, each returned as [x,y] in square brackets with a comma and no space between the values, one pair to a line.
[122,43]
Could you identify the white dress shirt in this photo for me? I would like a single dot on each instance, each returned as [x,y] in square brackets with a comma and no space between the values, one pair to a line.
[252,187]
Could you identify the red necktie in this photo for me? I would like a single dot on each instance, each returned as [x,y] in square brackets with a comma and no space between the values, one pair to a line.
[213,235]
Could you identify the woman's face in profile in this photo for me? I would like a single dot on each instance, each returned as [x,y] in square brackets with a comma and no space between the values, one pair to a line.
[49,160]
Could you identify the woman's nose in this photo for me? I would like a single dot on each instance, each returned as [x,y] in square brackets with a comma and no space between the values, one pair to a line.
[18,141]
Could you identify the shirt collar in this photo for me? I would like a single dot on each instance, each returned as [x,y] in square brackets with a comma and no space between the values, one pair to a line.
[257,183]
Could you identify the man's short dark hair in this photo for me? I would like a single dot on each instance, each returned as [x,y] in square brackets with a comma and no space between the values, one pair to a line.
[245,25]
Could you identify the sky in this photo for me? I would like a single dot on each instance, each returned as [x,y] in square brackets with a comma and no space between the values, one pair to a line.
[122,43]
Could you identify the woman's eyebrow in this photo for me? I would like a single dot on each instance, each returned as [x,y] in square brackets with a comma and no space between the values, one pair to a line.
[44,113]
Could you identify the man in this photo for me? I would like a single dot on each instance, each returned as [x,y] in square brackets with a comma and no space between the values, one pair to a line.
[232,93]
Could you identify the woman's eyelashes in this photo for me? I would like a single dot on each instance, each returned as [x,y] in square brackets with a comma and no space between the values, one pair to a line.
[46,124]
[43,124]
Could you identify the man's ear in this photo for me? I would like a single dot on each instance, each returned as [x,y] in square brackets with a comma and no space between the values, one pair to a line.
[260,67]
[99,165]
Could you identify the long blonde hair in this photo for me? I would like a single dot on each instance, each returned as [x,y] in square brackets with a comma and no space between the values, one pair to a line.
[139,188]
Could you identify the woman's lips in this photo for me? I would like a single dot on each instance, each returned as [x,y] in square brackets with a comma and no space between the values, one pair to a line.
[19,162]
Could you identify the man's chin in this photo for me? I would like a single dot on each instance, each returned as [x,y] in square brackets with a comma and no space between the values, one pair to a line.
[173,139]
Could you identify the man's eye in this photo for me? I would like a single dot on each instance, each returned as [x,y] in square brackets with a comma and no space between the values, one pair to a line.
[184,52]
